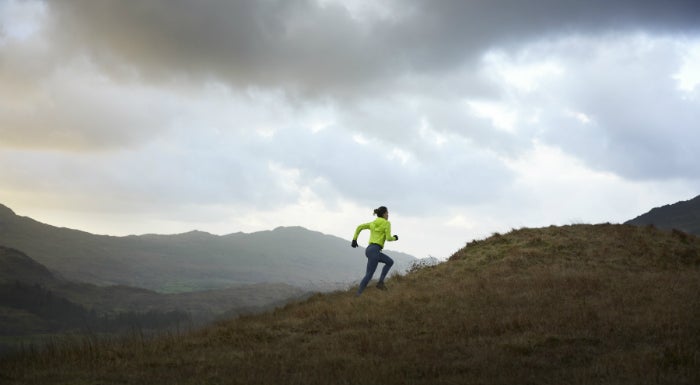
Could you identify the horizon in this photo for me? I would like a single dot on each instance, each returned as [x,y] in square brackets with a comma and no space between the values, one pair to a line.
[327,234]
[190,231]
[463,118]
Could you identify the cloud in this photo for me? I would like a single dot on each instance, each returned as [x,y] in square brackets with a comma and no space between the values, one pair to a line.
[611,101]
[323,47]
[290,44]
[77,109]
[443,173]
[419,58]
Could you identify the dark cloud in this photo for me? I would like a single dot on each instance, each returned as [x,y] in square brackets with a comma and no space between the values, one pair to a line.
[307,47]
[291,44]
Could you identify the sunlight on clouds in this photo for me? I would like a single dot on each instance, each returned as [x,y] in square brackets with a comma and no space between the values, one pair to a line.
[367,10]
[319,123]
[265,132]
[501,116]
[461,221]
[21,20]
[521,74]
[580,116]
[317,127]
[553,187]
[360,139]
[401,155]
[288,178]
[429,135]
[317,117]
[688,76]
[551,164]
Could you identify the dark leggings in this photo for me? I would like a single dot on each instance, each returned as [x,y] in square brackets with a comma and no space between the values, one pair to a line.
[374,257]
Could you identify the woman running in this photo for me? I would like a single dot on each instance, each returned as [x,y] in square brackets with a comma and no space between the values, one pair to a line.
[380,231]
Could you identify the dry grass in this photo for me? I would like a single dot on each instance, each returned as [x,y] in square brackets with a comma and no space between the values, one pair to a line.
[560,305]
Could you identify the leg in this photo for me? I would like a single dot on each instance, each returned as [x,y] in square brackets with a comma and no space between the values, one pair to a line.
[388,263]
[371,252]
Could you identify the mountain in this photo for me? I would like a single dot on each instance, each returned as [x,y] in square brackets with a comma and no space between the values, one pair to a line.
[18,267]
[191,261]
[581,304]
[683,215]
[35,304]
[19,270]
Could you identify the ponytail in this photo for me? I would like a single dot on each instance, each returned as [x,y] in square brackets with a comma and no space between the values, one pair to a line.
[380,211]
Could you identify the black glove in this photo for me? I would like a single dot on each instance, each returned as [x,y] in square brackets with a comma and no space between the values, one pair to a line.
[354,243]
[396,237]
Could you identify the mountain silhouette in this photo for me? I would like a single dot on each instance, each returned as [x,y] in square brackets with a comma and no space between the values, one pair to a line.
[190,261]
[683,215]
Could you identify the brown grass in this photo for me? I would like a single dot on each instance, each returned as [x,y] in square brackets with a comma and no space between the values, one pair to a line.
[560,305]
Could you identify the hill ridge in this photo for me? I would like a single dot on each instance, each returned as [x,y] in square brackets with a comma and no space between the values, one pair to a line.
[612,245]
[6,211]
[19,267]
[682,215]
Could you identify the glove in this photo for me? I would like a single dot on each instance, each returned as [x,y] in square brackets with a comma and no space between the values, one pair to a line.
[354,243]
[396,237]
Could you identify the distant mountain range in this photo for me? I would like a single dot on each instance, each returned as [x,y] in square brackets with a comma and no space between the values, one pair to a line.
[683,215]
[191,261]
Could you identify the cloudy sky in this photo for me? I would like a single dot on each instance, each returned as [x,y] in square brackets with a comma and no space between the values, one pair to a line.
[463,117]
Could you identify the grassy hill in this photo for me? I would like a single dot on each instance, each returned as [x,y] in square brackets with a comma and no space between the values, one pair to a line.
[559,305]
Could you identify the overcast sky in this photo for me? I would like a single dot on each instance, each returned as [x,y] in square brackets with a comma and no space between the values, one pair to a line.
[463,117]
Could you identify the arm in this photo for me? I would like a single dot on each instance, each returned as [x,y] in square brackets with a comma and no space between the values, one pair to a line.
[361,227]
[387,234]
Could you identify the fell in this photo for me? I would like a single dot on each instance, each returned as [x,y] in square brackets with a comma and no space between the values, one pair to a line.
[575,304]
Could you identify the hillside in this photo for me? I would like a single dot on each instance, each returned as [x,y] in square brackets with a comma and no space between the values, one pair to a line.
[36,305]
[559,305]
[16,266]
[20,269]
[191,261]
[683,215]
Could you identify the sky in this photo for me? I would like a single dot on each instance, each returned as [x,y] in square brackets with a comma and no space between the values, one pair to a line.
[464,118]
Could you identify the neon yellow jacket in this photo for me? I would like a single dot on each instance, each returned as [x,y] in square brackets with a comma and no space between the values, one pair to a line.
[380,231]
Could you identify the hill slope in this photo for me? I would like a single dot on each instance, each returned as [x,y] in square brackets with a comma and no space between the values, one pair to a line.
[18,269]
[191,261]
[683,215]
[36,305]
[16,266]
[574,304]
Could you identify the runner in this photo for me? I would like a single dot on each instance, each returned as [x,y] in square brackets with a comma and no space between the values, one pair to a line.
[380,231]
